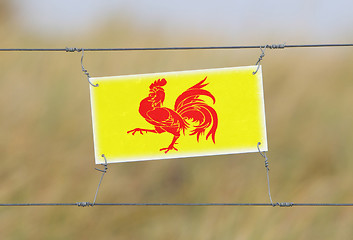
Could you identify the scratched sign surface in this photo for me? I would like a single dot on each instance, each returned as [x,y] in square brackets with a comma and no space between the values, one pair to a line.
[178,114]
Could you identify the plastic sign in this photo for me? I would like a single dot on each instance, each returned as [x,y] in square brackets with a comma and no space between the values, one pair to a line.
[178,114]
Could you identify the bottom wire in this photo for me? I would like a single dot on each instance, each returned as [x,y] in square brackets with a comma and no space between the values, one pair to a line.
[87,204]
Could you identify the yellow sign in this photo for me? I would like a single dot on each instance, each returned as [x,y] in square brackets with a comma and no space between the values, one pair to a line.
[178,114]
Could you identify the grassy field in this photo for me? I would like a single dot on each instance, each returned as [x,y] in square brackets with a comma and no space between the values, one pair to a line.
[47,148]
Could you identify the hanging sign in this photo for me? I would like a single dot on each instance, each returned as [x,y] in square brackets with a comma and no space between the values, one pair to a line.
[178,114]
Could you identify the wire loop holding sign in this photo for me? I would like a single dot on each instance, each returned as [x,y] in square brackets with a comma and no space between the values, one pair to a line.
[84,70]
[263,154]
[260,59]
[103,172]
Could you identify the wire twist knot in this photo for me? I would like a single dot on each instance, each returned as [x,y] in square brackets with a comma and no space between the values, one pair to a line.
[276,46]
[105,164]
[263,48]
[283,204]
[84,204]
[263,154]
[85,71]
[67,49]
[260,59]
[267,164]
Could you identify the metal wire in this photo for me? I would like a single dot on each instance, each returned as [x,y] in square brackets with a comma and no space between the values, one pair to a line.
[82,67]
[272,46]
[263,154]
[283,204]
[88,204]
[258,65]
[103,172]
[35,204]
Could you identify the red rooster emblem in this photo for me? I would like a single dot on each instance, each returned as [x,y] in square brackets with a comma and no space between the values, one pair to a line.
[188,106]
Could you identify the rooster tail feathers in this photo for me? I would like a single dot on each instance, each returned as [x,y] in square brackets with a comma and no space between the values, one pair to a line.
[200,84]
[192,94]
[208,119]
[213,129]
[190,106]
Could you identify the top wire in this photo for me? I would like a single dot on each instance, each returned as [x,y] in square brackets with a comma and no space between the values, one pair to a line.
[273,46]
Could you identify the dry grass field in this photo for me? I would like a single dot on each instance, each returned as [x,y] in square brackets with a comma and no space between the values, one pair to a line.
[46,146]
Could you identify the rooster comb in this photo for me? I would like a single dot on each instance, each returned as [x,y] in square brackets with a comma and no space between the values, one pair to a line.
[158,83]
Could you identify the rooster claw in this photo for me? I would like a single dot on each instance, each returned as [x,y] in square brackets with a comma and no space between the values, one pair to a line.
[132,131]
[171,147]
[137,130]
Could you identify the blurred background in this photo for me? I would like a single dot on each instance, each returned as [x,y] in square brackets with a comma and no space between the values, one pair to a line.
[46,138]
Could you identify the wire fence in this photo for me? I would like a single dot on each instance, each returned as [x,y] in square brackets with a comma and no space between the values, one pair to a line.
[272,46]
[89,204]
